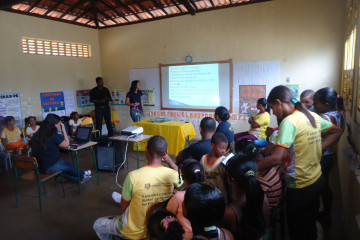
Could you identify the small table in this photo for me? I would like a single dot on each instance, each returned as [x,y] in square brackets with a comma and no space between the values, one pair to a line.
[136,140]
[83,149]
[173,131]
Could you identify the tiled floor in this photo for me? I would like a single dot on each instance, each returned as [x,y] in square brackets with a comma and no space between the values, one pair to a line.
[72,217]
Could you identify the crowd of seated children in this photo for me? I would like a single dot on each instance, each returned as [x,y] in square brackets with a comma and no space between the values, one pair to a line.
[204,206]
[247,216]
[11,137]
[330,106]
[45,145]
[191,172]
[197,150]
[221,116]
[307,98]
[163,225]
[258,123]
[213,167]
[74,122]
[302,168]
[141,189]
[31,126]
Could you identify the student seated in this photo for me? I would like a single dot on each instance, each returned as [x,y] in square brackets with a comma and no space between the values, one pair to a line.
[221,116]
[45,146]
[204,206]
[214,169]
[246,215]
[11,137]
[307,98]
[32,127]
[197,150]
[74,122]
[142,188]
[164,225]
[191,172]
[258,124]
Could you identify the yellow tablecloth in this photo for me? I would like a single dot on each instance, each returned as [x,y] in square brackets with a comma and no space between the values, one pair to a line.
[174,132]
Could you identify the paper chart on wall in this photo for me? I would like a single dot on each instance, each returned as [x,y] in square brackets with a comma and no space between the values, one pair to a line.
[10,105]
[69,101]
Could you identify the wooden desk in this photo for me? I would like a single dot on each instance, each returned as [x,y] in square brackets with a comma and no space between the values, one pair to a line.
[83,149]
[173,131]
[136,140]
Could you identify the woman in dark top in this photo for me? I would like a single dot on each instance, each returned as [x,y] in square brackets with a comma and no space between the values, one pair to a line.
[45,147]
[221,116]
[133,99]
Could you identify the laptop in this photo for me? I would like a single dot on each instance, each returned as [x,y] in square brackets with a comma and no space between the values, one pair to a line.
[82,136]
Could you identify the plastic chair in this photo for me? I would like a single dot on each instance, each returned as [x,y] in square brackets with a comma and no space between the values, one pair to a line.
[30,163]
[89,121]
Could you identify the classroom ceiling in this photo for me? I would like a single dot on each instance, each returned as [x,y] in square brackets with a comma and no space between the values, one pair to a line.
[109,13]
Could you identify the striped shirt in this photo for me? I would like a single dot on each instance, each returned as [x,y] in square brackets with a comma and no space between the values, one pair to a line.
[270,183]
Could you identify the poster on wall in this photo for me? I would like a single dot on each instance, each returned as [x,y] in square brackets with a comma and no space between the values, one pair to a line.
[118,96]
[52,101]
[248,96]
[10,105]
[148,96]
[294,88]
[69,101]
[83,98]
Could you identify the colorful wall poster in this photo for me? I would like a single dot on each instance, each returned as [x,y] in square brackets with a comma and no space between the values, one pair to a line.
[52,101]
[83,98]
[10,105]
[118,96]
[248,96]
[294,88]
[148,96]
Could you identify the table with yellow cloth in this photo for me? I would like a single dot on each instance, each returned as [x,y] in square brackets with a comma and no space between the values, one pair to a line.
[173,131]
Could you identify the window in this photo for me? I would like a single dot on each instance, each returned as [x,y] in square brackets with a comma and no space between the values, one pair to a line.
[55,48]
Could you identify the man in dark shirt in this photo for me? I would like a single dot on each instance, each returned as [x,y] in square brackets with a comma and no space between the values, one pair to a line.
[100,96]
[197,150]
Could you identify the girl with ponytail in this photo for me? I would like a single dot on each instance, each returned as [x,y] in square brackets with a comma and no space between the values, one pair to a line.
[247,215]
[330,106]
[258,124]
[300,130]
[191,172]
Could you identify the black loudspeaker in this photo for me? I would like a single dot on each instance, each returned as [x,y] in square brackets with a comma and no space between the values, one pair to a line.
[105,155]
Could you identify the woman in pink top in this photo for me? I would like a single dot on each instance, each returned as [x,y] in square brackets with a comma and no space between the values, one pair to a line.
[191,172]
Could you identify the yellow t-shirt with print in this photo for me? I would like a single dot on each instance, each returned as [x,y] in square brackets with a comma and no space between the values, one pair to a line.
[144,187]
[263,120]
[302,168]
[11,136]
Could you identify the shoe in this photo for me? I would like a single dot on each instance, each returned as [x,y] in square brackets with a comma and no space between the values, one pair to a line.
[87,173]
[85,179]
[116,196]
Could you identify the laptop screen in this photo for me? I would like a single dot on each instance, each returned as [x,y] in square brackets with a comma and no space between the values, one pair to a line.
[83,133]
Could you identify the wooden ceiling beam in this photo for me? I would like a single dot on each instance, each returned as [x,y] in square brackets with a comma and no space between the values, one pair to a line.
[33,6]
[188,6]
[176,5]
[128,8]
[144,9]
[107,16]
[212,3]
[193,3]
[120,14]
[72,8]
[160,6]
[53,7]
[95,17]
[9,3]
[83,14]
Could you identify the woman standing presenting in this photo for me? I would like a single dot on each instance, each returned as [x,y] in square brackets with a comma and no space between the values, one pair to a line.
[133,99]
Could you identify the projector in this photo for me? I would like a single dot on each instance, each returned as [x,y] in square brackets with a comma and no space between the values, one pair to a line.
[133,130]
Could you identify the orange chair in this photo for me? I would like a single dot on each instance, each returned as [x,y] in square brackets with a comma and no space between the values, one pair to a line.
[30,163]
[88,121]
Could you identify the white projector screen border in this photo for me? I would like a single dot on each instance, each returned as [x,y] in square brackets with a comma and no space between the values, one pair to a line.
[226,94]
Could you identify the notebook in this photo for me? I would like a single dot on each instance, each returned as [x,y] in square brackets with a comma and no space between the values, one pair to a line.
[82,136]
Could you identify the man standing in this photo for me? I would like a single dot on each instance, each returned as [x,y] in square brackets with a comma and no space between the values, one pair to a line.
[100,96]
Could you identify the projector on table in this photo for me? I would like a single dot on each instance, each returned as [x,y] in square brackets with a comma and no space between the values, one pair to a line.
[133,130]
